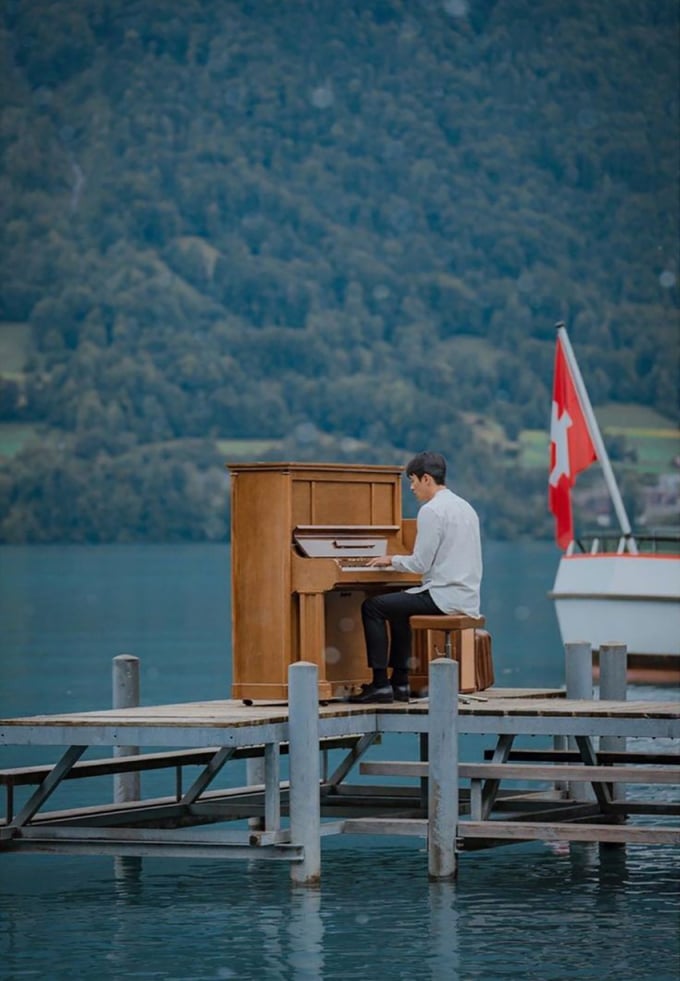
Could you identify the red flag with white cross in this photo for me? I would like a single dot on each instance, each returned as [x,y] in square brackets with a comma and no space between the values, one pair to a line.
[571,446]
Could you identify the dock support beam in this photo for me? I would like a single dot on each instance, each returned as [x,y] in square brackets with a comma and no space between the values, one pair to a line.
[443,769]
[305,771]
[255,776]
[126,786]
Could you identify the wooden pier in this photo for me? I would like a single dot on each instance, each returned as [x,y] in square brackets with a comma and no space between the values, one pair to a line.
[568,790]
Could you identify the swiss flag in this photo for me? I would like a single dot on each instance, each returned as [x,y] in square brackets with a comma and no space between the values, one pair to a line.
[571,446]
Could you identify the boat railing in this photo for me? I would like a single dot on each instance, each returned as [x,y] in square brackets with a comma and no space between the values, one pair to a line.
[666,542]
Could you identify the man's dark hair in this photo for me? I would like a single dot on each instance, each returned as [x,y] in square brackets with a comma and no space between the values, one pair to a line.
[432,463]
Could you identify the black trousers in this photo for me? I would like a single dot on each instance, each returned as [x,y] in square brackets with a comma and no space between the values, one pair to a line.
[393,608]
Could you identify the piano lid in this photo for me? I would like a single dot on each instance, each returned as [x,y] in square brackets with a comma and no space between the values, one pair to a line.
[342,541]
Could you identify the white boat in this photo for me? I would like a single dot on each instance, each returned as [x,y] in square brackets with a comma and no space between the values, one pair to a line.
[624,591]
[605,595]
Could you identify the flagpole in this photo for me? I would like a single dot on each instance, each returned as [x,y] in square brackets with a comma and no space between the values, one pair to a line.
[596,437]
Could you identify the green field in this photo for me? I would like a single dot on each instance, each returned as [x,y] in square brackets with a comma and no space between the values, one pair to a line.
[621,416]
[651,442]
[14,436]
[652,448]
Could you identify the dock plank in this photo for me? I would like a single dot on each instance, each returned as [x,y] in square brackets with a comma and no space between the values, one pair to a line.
[531,771]
[230,712]
[623,834]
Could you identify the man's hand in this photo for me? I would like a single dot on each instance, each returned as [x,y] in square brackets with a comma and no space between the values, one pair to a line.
[380,561]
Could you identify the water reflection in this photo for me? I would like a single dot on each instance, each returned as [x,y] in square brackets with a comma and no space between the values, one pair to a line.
[127,875]
[306,935]
[443,960]
[375,915]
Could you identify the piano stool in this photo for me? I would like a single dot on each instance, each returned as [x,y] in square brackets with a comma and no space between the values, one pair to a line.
[463,638]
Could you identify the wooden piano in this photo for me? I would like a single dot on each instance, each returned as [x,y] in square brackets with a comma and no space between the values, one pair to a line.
[296,530]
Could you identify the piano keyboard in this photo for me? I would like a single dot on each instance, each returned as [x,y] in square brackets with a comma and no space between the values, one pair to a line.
[351,563]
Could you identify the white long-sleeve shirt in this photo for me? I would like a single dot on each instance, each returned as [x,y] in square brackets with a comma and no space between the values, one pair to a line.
[447,553]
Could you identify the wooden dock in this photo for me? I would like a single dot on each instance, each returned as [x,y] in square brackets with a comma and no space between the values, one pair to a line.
[568,790]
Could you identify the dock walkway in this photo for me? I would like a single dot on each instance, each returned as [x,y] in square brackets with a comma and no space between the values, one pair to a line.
[455,804]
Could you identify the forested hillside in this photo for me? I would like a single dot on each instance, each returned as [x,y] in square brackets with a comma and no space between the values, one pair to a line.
[343,230]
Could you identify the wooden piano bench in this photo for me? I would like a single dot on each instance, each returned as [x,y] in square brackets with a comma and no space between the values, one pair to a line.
[462,638]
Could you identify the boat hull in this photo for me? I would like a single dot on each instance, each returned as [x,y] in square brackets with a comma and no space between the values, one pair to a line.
[606,598]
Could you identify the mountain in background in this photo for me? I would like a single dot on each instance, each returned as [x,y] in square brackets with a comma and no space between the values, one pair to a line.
[331,231]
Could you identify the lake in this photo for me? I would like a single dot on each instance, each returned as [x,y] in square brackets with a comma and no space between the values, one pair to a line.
[534,911]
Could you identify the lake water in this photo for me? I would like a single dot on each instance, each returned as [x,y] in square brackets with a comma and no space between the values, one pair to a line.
[531,911]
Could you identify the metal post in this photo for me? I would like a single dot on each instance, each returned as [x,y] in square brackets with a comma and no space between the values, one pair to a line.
[613,687]
[126,786]
[304,770]
[443,769]
[578,673]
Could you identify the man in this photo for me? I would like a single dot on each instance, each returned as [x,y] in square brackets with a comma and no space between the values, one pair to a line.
[447,554]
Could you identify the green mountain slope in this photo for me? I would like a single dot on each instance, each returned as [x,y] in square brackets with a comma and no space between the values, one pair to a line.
[337,231]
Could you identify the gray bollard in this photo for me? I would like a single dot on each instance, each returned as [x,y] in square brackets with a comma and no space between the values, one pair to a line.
[613,672]
[578,673]
[614,687]
[305,770]
[578,669]
[443,769]
[126,786]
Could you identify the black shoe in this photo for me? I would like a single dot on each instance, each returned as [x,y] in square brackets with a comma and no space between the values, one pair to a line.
[402,693]
[373,693]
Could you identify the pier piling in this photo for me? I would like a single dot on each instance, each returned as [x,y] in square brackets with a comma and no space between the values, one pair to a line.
[126,786]
[578,669]
[443,769]
[305,771]
[578,676]
[613,668]
[613,686]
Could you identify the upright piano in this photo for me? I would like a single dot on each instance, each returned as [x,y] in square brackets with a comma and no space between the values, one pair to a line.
[300,533]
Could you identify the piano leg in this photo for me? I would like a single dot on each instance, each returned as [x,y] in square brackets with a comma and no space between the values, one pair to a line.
[313,636]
